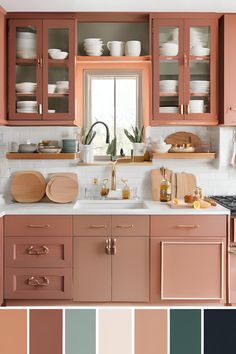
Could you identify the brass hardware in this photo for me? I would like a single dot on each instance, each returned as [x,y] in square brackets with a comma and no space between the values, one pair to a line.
[38,60]
[232,252]
[125,226]
[187,109]
[38,226]
[232,109]
[232,246]
[181,109]
[188,226]
[185,60]
[40,110]
[98,226]
[108,247]
[42,250]
[113,246]
[36,282]
[113,176]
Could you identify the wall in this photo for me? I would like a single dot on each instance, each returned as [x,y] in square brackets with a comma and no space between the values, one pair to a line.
[216,177]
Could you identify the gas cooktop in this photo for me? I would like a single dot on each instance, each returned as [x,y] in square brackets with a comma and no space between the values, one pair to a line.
[227,201]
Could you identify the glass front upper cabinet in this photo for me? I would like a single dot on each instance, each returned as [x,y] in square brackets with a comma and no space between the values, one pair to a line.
[184,71]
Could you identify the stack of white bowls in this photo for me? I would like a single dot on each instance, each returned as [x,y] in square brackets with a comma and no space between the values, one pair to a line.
[62,87]
[26,45]
[170,86]
[57,54]
[26,87]
[199,86]
[170,109]
[169,48]
[196,106]
[197,37]
[198,50]
[27,107]
[93,46]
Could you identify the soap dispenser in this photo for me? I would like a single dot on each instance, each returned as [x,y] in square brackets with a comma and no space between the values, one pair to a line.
[125,189]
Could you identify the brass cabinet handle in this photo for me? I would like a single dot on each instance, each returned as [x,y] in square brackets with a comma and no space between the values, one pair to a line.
[108,247]
[181,109]
[188,226]
[187,109]
[98,226]
[42,250]
[125,226]
[232,109]
[232,246]
[40,110]
[185,59]
[113,246]
[38,226]
[36,282]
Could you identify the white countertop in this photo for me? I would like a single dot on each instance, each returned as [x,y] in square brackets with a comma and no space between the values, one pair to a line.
[148,208]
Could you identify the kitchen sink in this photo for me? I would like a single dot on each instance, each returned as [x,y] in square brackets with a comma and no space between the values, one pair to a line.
[109,204]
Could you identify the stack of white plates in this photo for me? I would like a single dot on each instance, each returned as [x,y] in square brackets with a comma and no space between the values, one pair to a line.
[170,86]
[26,87]
[27,107]
[169,48]
[199,86]
[196,106]
[93,46]
[197,36]
[26,45]
[199,51]
[170,109]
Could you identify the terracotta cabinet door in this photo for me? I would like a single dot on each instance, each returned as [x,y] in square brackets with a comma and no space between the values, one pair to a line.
[130,269]
[92,269]
[1,260]
[3,75]
[45,331]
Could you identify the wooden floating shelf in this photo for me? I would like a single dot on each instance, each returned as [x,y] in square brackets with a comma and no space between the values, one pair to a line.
[41,156]
[108,58]
[185,155]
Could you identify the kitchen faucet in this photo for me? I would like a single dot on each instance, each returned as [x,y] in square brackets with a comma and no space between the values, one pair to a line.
[113,175]
[107,130]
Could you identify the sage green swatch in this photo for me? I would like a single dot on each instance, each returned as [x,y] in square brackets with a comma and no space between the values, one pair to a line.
[185,331]
[80,331]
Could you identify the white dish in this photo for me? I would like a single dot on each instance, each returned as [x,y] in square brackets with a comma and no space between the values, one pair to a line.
[25,111]
[162,149]
[201,51]
[26,54]
[49,150]
[58,55]
[51,88]
[54,50]
[51,110]
[26,87]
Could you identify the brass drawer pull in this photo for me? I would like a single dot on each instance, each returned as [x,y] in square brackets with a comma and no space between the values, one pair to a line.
[38,226]
[113,246]
[37,282]
[125,226]
[232,252]
[188,226]
[41,251]
[98,226]
[108,247]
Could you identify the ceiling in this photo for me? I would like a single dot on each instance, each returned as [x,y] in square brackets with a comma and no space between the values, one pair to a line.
[119,5]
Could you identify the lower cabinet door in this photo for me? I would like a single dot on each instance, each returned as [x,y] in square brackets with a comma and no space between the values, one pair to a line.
[92,269]
[33,283]
[130,269]
[188,270]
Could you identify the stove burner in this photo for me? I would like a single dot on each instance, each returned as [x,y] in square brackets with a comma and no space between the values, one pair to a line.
[227,201]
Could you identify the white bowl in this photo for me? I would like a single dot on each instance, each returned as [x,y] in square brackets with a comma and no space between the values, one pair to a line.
[26,87]
[51,88]
[92,40]
[58,55]
[169,51]
[198,50]
[162,149]
[30,104]
[62,84]
[26,54]
[51,110]
[54,50]
[27,147]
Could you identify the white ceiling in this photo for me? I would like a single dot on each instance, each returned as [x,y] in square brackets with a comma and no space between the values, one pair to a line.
[120,5]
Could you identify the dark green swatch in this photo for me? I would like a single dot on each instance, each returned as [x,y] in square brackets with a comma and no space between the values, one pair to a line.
[80,331]
[185,331]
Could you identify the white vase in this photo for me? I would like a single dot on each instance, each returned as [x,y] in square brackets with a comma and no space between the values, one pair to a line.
[138,149]
[86,153]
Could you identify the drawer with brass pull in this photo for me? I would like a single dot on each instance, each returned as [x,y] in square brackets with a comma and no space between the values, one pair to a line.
[130,225]
[188,225]
[92,225]
[53,252]
[30,283]
[37,225]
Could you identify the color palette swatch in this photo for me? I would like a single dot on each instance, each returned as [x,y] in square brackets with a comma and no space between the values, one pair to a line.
[115,331]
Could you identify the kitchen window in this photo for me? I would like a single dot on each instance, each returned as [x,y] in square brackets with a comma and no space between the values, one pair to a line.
[114,97]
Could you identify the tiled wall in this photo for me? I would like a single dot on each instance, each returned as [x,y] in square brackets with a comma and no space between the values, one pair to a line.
[215,177]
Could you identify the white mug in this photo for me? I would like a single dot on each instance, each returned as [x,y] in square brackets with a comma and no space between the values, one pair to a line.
[116,48]
[133,48]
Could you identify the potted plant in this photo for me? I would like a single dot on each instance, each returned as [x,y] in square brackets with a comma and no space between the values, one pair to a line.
[136,137]
[86,149]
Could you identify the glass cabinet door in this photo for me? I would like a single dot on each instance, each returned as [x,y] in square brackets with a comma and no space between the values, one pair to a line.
[200,74]
[25,76]
[168,69]
[58,69]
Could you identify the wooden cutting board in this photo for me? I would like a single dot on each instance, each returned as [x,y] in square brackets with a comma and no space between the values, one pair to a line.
[184,138]
[156,178]
[28,186]
[62,188]
[186,184]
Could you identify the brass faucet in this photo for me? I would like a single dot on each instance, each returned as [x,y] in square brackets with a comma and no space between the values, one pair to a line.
[113,175]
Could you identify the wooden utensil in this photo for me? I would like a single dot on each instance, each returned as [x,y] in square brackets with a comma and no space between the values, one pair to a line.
[184,138]
[62,189]
[28,186]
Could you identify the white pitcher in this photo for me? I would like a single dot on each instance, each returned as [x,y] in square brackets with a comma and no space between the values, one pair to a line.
[116,48]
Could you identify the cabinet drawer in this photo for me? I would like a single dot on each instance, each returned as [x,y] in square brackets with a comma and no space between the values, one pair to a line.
[92,225]
[31,283]
[130,225]
[189,225]
[52,252]
[37,225]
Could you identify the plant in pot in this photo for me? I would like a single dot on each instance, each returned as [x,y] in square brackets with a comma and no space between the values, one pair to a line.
[87,147]
[136,137]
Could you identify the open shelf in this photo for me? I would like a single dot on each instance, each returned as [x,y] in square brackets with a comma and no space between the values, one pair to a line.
[108,58]
[41,156]
[185,155]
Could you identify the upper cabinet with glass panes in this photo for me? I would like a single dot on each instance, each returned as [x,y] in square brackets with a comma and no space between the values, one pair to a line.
[41,71]
[185,64]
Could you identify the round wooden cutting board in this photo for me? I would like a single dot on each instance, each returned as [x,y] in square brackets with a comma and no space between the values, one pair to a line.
[62,189]
[28,186]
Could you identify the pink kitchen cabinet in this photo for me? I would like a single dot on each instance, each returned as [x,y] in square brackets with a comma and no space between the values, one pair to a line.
[1,260]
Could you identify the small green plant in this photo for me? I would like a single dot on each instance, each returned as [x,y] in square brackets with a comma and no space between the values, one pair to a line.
[111,150]
[137,136]
[87,138]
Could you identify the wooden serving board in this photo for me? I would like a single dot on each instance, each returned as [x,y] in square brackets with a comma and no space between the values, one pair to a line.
[186,184]
[28,186]
[62,189]
[184,138]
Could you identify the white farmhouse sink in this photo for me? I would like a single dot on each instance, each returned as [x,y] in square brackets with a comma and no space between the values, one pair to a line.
[109,204]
